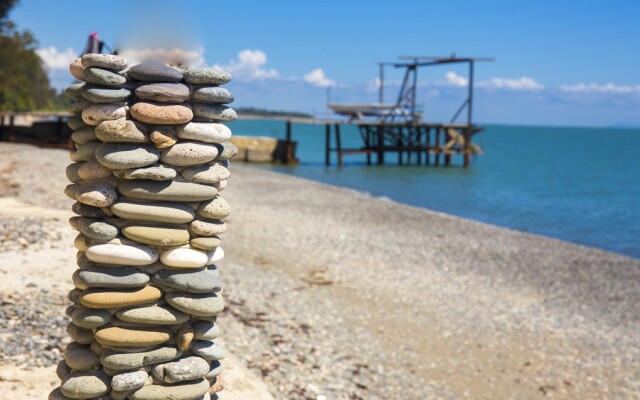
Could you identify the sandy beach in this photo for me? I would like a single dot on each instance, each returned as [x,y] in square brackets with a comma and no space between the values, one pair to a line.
[333,294]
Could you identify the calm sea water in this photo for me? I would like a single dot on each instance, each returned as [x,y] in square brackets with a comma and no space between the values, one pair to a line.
[576,184]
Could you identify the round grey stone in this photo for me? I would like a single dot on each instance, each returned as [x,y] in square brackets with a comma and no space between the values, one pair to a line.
[226,150]
[166,190]
[84,135]
[129,380]
[63,370]
[80,335]
[97,230]
[211,94]
[113,277]
[208,350]
[206,76]
[154,72]
[85,385]
[80,357]
[216,208]
[72,172]
[90,318]
[198,305]
[205,280]
[164,92]
[209,173]
[123,361]
[183,391]
[99,76]
[205,330]
[76,122]
[184,369]
[105,95]
[184,154]
[214,112]
[216,370]
[125,156]
[73,91]
[175,213]
[87,211]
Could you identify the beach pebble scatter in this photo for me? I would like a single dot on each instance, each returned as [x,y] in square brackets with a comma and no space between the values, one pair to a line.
[141,286]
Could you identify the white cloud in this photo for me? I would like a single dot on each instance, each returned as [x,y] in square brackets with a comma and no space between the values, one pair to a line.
[318,78]
[453,79]
[55,59]
[598,88]
[522,83]
[172,56]
[250,66]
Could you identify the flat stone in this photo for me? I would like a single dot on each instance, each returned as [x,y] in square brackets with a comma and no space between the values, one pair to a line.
[76,69]
[163,92]
[122,131]
[103,299]
[161,114]
[95,114]
[119,361]
[216,370]
[154,173]
[226,150]
[163,137]
[99,76]
[191,281]
[205,330]
[184,369]
[72,172]
[215,255]
[206,76]
[80,357]
[107,61]
[214,112]
[208,350]
[220,186]
[70,190]
[184,391]
[155,72]
[125,155]
[173,213]
[97,194]
[76,122]
[209,132]
[207,228]
[184,257]
[199,305]
[216,208]
[92,170]
[85,385]
[122,253]
[209,173]
[77,107]
[97,230]
[113,278]
[84,135]
[80,335]
[82,243]
[211,94]
[152,315]
[87,211]
[205,243]
[122,337]
[74,90]
[87,151]
[98,94]
[63,370]
[184,154]
[129,380]
[166,190]
[157,235]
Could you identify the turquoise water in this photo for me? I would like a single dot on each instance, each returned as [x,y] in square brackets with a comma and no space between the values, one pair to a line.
[576,184]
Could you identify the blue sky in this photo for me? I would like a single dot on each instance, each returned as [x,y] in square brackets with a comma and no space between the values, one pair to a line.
[557,62]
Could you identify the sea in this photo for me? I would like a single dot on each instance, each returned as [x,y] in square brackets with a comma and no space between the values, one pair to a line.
[580,185]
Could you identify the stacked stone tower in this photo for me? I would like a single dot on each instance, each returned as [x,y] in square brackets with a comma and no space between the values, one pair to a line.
[151,159]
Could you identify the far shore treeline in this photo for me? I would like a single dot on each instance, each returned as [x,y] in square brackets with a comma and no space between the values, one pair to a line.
[24,85]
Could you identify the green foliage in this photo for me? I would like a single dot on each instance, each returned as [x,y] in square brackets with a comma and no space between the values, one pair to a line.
[24,84]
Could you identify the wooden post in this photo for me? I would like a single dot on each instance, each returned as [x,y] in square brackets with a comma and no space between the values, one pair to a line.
[399,144]
[59,130]
[466,148]
[12,129]
[427,142]
[380,145]
[438,149]
[419,145]
[287,150]
[327,144]
[338,144]
[2,128]
[367,144]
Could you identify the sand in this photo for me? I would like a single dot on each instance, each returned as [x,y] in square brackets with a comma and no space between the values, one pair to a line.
[337,295]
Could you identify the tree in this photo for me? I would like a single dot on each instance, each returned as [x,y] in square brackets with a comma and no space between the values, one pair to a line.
[24,84]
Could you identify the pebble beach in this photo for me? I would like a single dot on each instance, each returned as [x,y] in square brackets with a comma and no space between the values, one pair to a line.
[333,294]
